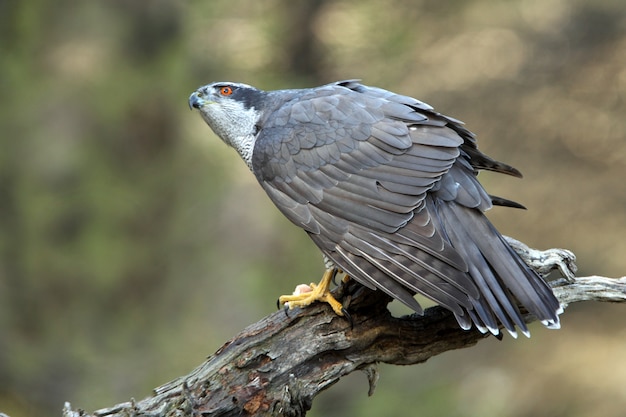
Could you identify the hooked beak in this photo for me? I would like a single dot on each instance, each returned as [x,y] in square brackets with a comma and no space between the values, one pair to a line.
[195,102]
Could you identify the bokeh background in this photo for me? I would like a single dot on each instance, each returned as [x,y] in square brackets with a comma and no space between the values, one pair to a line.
[133,243]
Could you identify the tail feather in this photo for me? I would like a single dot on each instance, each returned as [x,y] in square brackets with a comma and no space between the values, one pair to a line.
[503,279]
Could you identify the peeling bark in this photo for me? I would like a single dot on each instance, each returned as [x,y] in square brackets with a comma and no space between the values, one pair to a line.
[277,366]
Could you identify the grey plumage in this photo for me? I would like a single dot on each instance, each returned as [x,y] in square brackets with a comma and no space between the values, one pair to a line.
[387,188]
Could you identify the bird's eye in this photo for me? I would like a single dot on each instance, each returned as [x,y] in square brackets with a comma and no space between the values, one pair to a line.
[226,91]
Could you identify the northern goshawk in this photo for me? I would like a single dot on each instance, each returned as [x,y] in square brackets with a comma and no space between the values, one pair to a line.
[387,188]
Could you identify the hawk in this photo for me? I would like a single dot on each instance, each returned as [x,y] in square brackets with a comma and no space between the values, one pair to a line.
[387,188]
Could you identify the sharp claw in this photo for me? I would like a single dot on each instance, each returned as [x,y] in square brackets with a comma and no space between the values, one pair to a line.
[285,307]
[348,317]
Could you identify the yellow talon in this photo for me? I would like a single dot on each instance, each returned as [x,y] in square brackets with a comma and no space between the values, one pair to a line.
[320,292]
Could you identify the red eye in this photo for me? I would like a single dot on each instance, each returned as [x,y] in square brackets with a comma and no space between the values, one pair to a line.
[226,91]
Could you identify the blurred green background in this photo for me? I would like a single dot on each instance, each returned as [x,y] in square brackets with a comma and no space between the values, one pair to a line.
[133,243]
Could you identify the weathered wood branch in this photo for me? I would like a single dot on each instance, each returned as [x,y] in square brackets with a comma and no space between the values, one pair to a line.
[276,366]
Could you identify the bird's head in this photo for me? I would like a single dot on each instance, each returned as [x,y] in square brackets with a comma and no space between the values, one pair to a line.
[233,111]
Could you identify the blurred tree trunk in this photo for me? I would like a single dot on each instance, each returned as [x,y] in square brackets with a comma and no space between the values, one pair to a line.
[304,51]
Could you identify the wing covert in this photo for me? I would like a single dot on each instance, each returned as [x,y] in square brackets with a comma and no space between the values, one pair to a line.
[360,157]
[354,168]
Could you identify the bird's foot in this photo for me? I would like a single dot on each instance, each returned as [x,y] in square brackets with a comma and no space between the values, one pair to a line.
[305,295]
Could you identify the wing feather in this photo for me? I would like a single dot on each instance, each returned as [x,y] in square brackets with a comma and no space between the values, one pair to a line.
[387,189]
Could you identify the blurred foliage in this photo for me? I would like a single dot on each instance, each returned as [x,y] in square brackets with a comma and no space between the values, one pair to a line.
[133,242]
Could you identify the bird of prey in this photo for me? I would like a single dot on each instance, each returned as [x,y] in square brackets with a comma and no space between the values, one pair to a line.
[387,189]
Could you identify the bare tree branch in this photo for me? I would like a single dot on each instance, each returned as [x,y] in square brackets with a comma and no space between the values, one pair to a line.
[276,366]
